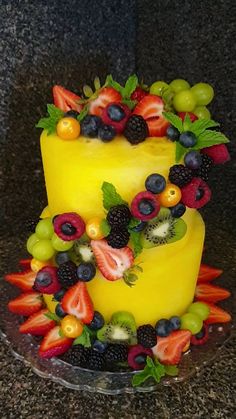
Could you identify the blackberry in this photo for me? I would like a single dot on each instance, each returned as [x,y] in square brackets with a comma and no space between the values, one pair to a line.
[180,175]
[77,355]
[146,336]
[119,216]
[30,224]
[116,353]
[205,168]
[67,274]
[118,238]
[136,129]
[96,360]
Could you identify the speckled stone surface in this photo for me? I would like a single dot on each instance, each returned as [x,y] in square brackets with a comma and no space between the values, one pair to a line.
[42,43]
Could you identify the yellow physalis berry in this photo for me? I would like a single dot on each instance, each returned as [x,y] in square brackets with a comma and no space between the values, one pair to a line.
[93,228]
[71,326]
[170,196]
[36,264]
[68,128]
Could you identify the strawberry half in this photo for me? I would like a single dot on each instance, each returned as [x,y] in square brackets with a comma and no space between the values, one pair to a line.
[210,293]
[25,263]
[26,304]
[65,100]
[217,315]
[169,349]
[112,262]
[106,95]
[207,273]
[54,344]
[23,280]
[151,108]
[38,323]
[77,302]
[157,126]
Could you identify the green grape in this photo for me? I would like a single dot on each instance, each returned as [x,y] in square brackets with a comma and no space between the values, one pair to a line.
[192,322]
[158,87]
[200,309]
[202,112]
[184,101]
[43,250]
[61,245]
[203,93]
[44,229]
[178,85]
[31,242]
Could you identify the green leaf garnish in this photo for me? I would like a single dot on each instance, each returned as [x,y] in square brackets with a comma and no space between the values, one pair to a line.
[135,238]
[83,339]
[153,369]
[105,227]
[179,151]
[134,222]
[83,113]
[172,370]
[110,82]
[209,138]
[52,316]
[130,103]
[111,198]
[175,120]
[130,86]
[50,123]
[61,334]
[125,91]
[200,125]
[187,123]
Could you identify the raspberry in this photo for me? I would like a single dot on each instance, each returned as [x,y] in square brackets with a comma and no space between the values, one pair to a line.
[77,355]
[119,216]
[116,114]
[201,337]
[136,129]
[138,94]
[180,175]
[196,194]
[137,356]
[118,238]
[205,168]
[146,336]
[96,360]
[219,153]
[69,226]
[145,206]
[116,353]
[67,274]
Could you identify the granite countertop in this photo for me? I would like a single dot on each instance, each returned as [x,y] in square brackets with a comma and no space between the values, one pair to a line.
[69,43]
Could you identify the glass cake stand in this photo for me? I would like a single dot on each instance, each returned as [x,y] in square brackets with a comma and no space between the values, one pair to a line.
[25,348]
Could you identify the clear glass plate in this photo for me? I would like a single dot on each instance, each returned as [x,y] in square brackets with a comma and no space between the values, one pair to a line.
[25,348]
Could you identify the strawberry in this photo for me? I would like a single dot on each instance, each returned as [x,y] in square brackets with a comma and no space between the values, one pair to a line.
[217,315]
[151,106]
[207,273]
[65,100]
[210,293]
[190,114]
[138,94]
[54,344]
[38,323]
[169,349]
[157,126]
[23,280]
[26,304]
[112,262]
[25,263]
[106,95]
[77,302]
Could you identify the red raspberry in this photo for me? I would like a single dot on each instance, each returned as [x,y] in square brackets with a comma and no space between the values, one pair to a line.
[145,206]
[201,337]
[196,194]
[116,114]
[218,153]
[69,226]
[138,94]
[190,114]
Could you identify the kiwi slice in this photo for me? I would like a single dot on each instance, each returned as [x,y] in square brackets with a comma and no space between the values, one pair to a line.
[124,318]
[115,333]
[82,251]
[163,229]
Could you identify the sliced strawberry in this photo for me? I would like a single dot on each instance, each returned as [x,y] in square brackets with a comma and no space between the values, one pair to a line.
[151,106]
[190,114]
[106,95]
[26,304]
[210,293]
[77,302]
[112,262]
[169,350]
[23,280]
[25,263]
[207,273]
[217,315]
[54,344]
[38,323]
[65,100]
[157,126]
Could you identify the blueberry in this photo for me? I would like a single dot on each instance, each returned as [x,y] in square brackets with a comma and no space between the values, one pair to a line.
[43,279]
[106,133]
[145,207]
[140,359]
[175,322]
[62,257]
[187,139]
[178,210]
[199,194]
[163,327]
[193,160]
[59,311]
[72,113]
[155,183]
[59,295]
[172,133]
[90,126]
[97,322]
[99,346]
[86,271]
[115,113]
[68,229]
[140,227]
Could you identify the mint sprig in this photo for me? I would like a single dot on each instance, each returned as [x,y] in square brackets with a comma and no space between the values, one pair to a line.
[135,239]
[50,122]
[111,198]
[125,91]
[83,339]
[153,369]
[105,227]
[209,138]
[175,120]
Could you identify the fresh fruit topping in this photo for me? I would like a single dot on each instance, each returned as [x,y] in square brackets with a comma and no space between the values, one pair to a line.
[54,344]
[163,229]
[175,322]
[205,168]
[106,133]
[124,318]
[150,106]
[26,304]
[32,240]
[97,321]
[178,85]
[116,353]
[202,112]
[86,271]
[46,280]
[67,274]
[178,210]
[77,302]
[138,226]
[191,115]
[193,159]
[116,114]
[157,127]
[169,349]
[163,327]
[62,257]
[119,216]
[25,263]
[90,126]
[146,336]
[61,245]
[23,280]
[196,194]
[210,293]
[59,311]
[145,206]
[43,250]
[155,183]
[65,100]
[69,226]
[201,337]
[137,356]
[138,94]
[170,196]
[36,264]
[207,273]
[112,262]
[94,228]
[199,308]
[100,346]
[38,323]
[44,229]
[96,361]
[203,93]
[184,101]
[191,322]
[106,95]
[172,133]
[218,153]
[188,139]
[116,333]
[77,355]
[158,87]
[136,129]
[82,251]
[71,326]
[217,315]
[118,238]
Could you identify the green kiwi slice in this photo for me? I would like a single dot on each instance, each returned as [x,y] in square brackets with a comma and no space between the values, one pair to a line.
[82,251]
[124,318]
[115,333]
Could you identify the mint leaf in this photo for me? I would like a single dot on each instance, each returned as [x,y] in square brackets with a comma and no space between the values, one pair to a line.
[83,113]
[134,222]
[171,370]
[83,339]
[179,151]
[175,120]
[153,369]
[209,138]
[54,112]
[140,377]
[130,103]
[50,123]
[135,238]
[61,334]
[130,86]
[111,198]
[199,126]
[52,316]
[187,124]
[105,227]
[110,82]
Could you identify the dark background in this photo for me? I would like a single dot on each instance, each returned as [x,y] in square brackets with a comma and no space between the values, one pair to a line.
[69,42]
